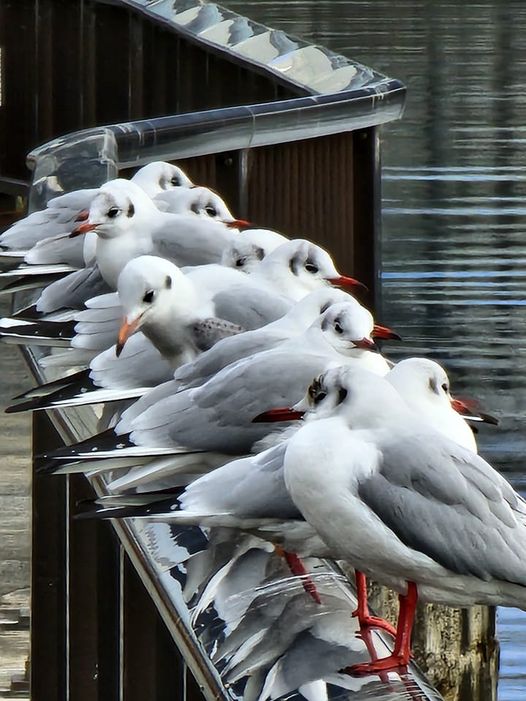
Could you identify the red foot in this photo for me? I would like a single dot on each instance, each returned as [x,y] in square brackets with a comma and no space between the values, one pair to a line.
[386,664]
[375,622]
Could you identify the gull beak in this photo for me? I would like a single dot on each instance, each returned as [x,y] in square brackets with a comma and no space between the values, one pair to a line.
[83,215]
[240,224]
[366,344]
[468,409]
[127,329]
[281,414]
[82,229]
[347,283]
[385,333]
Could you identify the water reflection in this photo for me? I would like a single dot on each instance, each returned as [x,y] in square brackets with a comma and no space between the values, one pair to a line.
[454,202]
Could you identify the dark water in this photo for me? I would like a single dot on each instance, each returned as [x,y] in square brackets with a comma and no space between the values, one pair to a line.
[454,202]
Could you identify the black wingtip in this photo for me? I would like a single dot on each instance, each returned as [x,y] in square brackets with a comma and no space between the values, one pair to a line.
[106,440]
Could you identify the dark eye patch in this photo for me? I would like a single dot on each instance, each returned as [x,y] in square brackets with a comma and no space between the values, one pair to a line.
[131,210]
[342,394]
[325,307]
[195,208]
[168,282]
[433,386]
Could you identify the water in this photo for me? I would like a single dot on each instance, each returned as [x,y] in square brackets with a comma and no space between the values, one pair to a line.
[454,203]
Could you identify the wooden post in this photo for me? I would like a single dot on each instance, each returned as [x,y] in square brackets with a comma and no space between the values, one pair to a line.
[455,648]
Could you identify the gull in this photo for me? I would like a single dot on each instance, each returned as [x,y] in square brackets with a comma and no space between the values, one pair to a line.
[408,507]
[63,213]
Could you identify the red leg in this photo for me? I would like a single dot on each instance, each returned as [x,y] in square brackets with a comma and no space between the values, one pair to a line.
[297,568]
[362,610]
[402,651]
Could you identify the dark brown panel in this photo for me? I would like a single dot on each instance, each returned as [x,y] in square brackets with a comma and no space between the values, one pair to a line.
[305,190]
[153,669]
[48,573]
[93,603]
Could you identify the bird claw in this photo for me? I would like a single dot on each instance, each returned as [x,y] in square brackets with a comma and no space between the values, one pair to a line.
[391,663]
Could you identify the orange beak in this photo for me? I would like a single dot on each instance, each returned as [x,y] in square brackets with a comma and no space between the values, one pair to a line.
[469,409]
[281,414]
[125,331]
[384,332]
[347,283]
[82,229]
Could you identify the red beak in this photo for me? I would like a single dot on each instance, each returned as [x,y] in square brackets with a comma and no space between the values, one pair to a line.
[82,215]
[347,283]
[82,229]
[384,332]
[366,344]
[240,224]
[281,414]
[470,409]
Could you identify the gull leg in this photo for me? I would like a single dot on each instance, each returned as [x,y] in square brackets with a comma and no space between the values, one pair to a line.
[297,568]
[402,651]
[362,610]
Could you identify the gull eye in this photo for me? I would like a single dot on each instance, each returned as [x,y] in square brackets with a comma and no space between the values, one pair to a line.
[311,268]
[338,327]
[175,180]
[112,212]
[240,262]
[320,396]
[148,297]
[445,387]
[211,211]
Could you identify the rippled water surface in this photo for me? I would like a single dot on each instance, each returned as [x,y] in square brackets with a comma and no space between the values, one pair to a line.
[454,205]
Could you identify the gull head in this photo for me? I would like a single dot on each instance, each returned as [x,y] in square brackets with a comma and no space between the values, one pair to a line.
[160,176]
[299,266]
[151,290]
[348,328]
[119,207]
[425,388]
[195,201]
[249,247]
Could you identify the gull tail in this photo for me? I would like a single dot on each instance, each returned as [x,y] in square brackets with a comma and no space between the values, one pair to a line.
[79,391]
[39,333]
[104,445]
[146,505]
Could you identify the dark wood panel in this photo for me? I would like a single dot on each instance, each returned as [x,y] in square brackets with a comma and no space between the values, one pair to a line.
[48,573]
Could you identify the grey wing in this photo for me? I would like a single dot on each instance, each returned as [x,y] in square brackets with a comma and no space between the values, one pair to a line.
[58,218]
[250,307]
[225,352]
[139,365]
[218,416]
[207,332]
[73,290]
[58,249]
[191,240]
[251,487]
[448,503]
